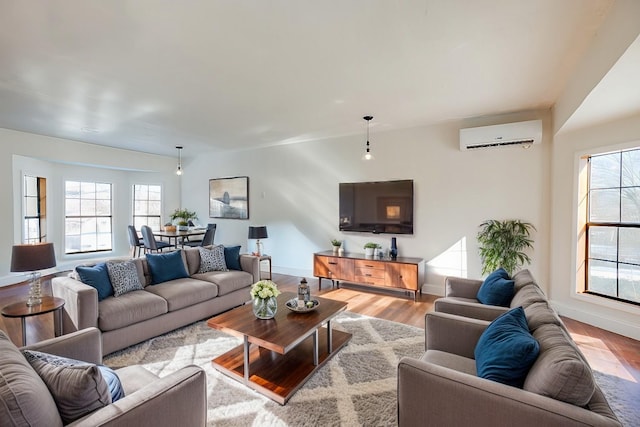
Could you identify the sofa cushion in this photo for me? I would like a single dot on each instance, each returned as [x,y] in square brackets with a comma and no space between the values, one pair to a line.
[506,350]
[96,277]
[451,361]
[182,293]
[232,257]
[165,267]
[560,371]
[227,281]
[130,308]
[26,401]
[212,259]
[124,277]
[521,278]
[497,289]
[78,388]
[540,313]
[192,256]
[528,295]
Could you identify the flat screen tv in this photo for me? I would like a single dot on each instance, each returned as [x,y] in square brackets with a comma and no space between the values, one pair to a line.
[377,207]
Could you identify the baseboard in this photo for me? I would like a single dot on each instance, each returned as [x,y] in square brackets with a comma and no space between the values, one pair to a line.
[293,272]
[628,329]
[432,289]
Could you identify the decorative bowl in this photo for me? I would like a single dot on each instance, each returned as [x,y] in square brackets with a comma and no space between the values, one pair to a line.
[292,305]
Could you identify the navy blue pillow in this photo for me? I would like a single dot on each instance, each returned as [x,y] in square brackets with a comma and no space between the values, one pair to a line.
[113,382]
[165,267]
[506,349]
[497,289]
[232,257]
[97,277]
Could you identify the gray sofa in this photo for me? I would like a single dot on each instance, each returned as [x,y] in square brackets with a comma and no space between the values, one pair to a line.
[142,314]
[442,388]
[179,398]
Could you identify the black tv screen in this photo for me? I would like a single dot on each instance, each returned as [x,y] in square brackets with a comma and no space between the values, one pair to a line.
[377,207]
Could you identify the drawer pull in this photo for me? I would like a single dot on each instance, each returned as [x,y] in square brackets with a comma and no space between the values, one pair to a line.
[333,263]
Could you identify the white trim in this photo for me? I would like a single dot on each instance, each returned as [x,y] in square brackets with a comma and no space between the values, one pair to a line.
[616,325]
[431,289]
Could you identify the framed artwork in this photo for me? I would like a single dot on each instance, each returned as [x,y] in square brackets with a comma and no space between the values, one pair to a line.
[229,197]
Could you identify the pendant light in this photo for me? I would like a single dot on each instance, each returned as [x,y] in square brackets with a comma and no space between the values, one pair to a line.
[367,154]
[179,170]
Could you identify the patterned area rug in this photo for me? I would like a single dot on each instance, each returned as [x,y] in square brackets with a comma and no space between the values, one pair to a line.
[356,387]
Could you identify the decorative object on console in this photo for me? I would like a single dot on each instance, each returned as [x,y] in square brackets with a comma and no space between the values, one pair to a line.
[336,245]
[502,244]
[229,197]
[257,233]
[367,154]
[265,304]
[32,258]
[393,252]
[183,216]
[179,169]
[370,247]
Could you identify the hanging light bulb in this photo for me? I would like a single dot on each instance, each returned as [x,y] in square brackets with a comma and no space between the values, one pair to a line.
[179,170]
[367,153]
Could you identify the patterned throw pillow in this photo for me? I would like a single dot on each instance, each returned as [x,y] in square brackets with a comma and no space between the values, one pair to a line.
[124,277]
[212,259]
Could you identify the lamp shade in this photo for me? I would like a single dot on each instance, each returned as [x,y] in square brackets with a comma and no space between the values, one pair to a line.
[258,232]
[34,257]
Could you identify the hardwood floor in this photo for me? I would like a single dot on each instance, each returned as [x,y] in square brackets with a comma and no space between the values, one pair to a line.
[607,352]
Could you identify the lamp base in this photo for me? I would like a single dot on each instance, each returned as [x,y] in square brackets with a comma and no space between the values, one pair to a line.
[35,290]
[33,301]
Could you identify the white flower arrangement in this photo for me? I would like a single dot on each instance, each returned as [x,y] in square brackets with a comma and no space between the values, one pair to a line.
[264,289]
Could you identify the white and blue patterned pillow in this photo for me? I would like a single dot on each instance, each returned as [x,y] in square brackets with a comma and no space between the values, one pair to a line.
[124,277]
[212,259]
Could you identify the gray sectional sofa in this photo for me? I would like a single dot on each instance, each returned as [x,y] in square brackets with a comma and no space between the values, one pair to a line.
[442,387]
[159,308]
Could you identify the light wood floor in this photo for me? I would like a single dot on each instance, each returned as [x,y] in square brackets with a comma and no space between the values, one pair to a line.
[607,352]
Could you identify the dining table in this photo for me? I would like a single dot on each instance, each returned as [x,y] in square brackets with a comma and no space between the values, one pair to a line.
[179,235]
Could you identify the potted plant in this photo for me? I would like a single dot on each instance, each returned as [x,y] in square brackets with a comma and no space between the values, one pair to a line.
[370,247]
[183,216]
[502,244]
[336,245]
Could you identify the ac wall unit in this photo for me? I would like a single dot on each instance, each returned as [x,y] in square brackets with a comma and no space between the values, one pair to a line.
[520,133]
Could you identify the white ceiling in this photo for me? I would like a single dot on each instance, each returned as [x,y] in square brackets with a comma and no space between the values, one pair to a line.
[221,75]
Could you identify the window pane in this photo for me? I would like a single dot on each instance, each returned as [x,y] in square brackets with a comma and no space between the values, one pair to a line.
[602,277]
[72,207]
[630,245]
[30,186]
[605,171]
[72,190]
[103,191]
[31,206]
[103,207]
[141,207]
[631,205]
[155,192]
[103,225]
[603,243]
[154,208]
[630,282]
[139,192]
[153,222]
[88,190]
[72,244]
[604,205]
[630,168]
[87,207]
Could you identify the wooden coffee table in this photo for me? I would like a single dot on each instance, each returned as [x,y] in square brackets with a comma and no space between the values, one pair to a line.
[286,350]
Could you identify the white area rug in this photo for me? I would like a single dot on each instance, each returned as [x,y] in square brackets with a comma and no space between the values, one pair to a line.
[356,387]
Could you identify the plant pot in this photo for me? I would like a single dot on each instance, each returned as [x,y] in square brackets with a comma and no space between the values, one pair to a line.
[368,251]
[265,308]
[170,228]
[336,249]
[183,228]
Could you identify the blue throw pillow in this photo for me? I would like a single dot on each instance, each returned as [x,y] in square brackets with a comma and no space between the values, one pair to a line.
[113,382]
[165,267]
[97,277]
[506,349]
[232,257]
[497,289]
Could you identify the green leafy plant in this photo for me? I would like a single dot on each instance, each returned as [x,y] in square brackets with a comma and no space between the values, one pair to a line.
[336,242]
[184,215]
[372,245]
[502,244]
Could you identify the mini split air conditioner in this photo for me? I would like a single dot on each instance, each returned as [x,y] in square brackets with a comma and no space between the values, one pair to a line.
[523,134]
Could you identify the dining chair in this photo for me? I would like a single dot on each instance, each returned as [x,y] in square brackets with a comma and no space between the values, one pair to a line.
[150,242]
[206,240]
[134,241]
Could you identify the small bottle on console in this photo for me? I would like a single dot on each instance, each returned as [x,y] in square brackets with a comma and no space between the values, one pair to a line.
[303,293]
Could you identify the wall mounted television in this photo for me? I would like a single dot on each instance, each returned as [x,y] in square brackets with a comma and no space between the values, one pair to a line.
[377,207]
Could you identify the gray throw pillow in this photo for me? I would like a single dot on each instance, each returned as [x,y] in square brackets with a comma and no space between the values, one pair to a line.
[78,388]
[212,259]
[124,277]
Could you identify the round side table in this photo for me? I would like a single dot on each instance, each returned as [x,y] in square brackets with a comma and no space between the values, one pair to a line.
[22,310]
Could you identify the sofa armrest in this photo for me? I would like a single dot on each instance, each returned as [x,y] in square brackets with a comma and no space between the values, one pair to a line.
[179,398]
[453,334]
[85,345]
[429,394]
[251,264]
[81,303]
[461,287]
[474,310]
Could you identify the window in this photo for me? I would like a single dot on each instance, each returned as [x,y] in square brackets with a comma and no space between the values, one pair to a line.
[147,206]
[35,209]
[613,225]
[87,217]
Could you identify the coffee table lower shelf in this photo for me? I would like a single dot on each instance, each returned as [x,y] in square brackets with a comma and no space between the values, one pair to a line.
[279,376]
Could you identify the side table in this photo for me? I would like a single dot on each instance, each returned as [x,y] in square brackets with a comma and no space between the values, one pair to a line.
[22,310]
[268,259]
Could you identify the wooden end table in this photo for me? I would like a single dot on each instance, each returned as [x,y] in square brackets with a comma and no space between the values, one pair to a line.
[22,310]
[286,350]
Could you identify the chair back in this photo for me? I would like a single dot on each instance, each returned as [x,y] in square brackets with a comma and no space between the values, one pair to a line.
[208,235]
[134,240]
[148,238]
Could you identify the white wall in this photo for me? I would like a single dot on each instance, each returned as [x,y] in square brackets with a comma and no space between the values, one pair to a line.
[294,192]
[59,160]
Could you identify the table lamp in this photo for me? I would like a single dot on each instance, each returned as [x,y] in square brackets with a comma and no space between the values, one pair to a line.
[33,258]
[258,233]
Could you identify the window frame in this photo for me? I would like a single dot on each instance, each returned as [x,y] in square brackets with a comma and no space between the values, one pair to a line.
[66,217]
[41,207]
[133,204]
